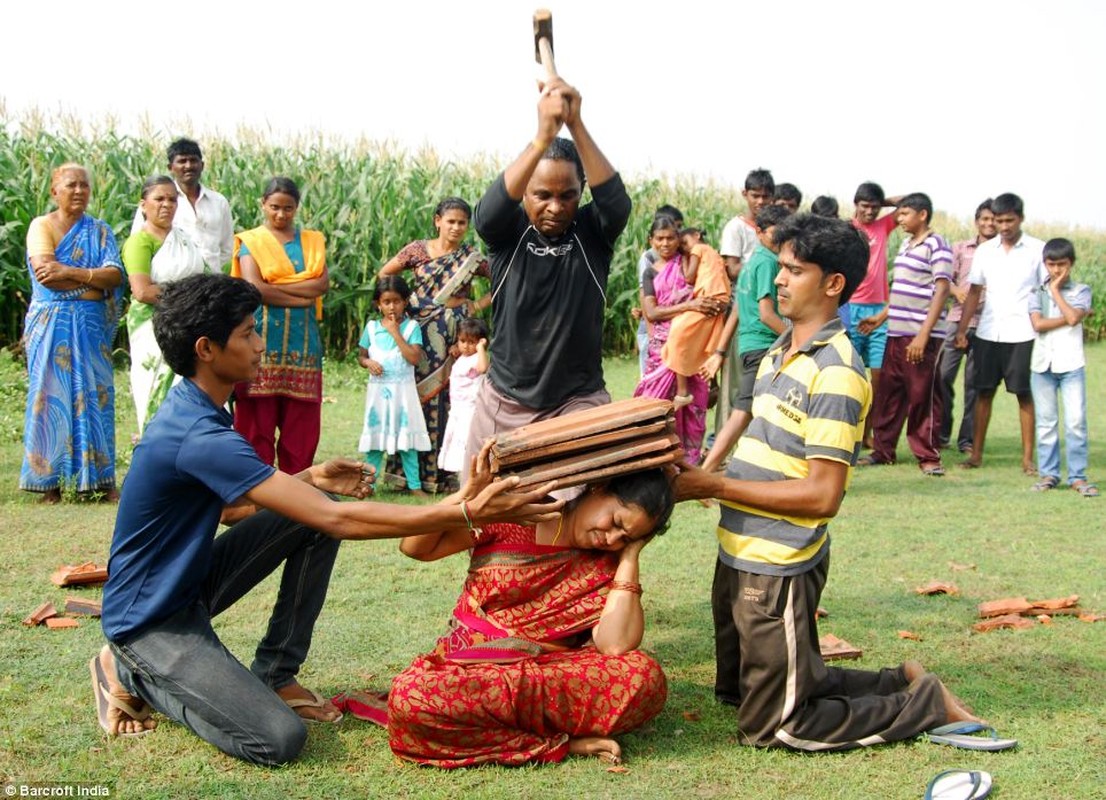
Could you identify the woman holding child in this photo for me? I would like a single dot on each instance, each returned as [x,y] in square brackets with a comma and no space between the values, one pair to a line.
[444,265]
[76,297]
[541,657]
[666,294]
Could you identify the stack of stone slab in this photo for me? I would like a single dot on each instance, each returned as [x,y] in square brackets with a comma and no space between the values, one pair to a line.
[591,445]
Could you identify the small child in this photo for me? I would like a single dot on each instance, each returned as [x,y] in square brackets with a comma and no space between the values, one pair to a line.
[1057,309]
[464,383]
[694,335]
[389,349]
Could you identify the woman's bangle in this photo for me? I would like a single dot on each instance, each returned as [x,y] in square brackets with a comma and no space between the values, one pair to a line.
[465,514]
[626,586]
[89,281]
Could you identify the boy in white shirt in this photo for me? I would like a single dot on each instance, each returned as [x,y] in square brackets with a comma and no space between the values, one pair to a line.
[1057,309]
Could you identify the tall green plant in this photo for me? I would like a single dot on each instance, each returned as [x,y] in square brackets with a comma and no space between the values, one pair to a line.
[368,198]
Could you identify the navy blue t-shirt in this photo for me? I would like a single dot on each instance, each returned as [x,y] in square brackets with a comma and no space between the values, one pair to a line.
[189,464]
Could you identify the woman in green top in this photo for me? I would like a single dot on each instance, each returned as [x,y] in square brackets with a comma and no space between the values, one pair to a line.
[156,254]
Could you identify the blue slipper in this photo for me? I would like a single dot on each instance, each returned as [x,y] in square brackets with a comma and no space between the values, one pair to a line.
[959,734]
[959,784]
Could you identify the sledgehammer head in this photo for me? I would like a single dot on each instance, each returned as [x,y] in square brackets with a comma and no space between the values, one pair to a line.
[543,40]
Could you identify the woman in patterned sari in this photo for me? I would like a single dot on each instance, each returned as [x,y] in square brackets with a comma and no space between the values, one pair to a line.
[541,659]
[437,265]
[288,267]
[76,292]
[665,294]
[156,253]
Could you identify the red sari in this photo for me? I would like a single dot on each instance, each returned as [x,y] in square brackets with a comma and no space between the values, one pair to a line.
[516,676]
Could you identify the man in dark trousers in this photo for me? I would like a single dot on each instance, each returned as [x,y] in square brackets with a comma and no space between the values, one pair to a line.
[783,485]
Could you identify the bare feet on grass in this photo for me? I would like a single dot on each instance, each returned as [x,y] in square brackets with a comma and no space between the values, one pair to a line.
[606,750]
[956,709]
[119,722]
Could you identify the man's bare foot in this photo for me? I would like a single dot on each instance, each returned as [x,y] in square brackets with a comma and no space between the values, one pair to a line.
[311,706]
[971,462]
[418,494]
[119,721]
[606,750]
[912,670]
[954,709]
[50,497]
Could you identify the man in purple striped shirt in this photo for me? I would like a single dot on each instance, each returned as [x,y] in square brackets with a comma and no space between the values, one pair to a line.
[908,388]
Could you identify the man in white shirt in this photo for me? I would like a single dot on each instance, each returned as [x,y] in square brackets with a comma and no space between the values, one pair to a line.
[202,213]
[1010,266]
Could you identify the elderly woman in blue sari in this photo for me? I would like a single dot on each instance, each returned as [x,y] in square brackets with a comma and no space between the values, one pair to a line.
[76,283]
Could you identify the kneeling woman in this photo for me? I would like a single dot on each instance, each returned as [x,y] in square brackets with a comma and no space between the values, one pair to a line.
[540,659]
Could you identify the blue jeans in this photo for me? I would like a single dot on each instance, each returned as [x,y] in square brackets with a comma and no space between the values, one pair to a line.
[869,346]
[1070,387]
[180,667]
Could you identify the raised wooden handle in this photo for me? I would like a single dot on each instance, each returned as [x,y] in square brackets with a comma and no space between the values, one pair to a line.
[546,51]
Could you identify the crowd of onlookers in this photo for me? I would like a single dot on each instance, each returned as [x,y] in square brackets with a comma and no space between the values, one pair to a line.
[1002,303]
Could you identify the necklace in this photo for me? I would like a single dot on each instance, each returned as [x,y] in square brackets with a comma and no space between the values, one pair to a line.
[560,523]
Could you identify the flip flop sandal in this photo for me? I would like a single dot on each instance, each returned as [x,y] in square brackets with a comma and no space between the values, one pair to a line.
[367,705]
[959,784]
[933,470]
[105,701]
[1046,483]
[960,734]
[1085,489]
[316,701]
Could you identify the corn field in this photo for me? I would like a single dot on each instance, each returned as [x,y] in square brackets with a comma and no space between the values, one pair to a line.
[369,199]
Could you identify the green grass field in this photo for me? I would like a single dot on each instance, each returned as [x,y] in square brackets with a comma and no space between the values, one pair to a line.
[897,530]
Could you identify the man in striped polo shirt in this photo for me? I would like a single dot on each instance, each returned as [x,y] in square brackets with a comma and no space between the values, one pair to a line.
[783,485]
[908,389]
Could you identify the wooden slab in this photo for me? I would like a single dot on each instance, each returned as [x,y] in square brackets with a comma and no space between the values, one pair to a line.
[605,473]
[545,452]
[80,575]
[834,648]
[596,459]
[580,424]
[1015,621]
[1019,605]
[40,614]
[82,607]
[62,622]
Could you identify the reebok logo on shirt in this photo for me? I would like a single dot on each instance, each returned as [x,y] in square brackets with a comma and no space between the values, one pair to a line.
[559,250]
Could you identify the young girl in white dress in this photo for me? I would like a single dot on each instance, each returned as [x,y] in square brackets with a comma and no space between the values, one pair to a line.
[389,349]
[464,382]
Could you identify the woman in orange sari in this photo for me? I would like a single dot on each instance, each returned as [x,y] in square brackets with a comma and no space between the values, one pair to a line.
[288,266]
[541,659]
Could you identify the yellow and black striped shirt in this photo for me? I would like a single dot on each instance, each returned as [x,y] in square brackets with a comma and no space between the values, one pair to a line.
[813,406]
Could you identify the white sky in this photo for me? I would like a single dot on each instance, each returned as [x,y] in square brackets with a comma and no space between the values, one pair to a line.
[1007,96]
